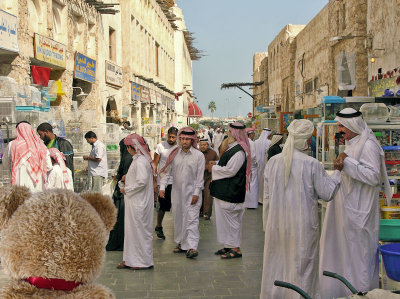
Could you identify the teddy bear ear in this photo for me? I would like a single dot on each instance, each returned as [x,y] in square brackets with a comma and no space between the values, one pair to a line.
[11,197]
[104,206]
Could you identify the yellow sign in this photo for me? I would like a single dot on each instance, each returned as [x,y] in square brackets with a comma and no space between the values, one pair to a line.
[377,88]
[50,51]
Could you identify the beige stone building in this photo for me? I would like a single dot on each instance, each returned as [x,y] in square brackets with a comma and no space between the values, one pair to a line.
[328,56]
[116,58]
[383,28]
[260,74]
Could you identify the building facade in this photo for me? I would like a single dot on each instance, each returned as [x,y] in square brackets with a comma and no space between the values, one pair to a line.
[116,58]
[329,55]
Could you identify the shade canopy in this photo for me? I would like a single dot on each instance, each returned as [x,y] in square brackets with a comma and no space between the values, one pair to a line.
[194,110]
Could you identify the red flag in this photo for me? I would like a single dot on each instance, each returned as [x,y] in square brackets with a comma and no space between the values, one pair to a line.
[40,75]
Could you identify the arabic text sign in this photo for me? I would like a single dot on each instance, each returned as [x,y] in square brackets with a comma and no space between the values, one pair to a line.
[135,92]
[8,32]
[49,51]
[377,88]
[113,74]
[85,68]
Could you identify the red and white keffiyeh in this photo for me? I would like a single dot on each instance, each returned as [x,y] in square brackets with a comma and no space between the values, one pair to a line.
[28,144]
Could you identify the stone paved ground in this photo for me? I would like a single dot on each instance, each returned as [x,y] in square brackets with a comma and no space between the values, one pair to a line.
[207,276]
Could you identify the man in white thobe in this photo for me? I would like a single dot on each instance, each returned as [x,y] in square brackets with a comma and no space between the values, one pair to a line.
[293,183]
[251,199]
[186,165]
[262,145]
[350,234]
[139,206]
[231,177]
[217,139]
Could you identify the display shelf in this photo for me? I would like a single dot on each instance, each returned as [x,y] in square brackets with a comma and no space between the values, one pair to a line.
[394,177]
[392,162]
[384,126]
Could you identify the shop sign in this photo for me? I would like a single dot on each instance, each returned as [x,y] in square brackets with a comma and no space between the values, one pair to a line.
[377,88]
[50,51]
[153,96]
[8,32]
[113,74]
[158,96]
[85,68]
[135,95]
[144,94]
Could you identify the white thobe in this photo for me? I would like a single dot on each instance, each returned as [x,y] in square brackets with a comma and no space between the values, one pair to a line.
[187,170]
[217,140]
[139,208]
[55,179]
[229,215]
[261,147]
[291,224]
[251,200]
[350,234]
[23,177]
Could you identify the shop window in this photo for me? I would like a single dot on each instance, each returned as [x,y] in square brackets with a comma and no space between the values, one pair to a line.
[112,43]
[308,87]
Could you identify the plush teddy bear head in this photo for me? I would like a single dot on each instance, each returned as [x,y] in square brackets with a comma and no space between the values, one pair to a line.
[56,235]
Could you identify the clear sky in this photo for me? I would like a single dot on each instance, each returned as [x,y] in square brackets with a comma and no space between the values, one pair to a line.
[230,32]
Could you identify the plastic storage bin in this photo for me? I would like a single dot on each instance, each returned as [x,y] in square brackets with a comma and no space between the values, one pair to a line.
[389,230]
[391,260]
[375,112]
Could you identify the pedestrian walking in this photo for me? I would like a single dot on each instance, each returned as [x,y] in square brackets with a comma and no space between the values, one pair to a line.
[186,165]
[209,155]
[139,206]
[28,159]
[161,154]
[60,176]
[293,184]
[275,146]
[116,240]
[251,199]
[231,177]
[97,162]
[262,145]
[45,131]
[350,233]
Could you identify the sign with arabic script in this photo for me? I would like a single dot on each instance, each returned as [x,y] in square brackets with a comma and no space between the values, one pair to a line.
[135,96]
[8,32]
[85,68]
[377,88]
[113,74]
[49,51]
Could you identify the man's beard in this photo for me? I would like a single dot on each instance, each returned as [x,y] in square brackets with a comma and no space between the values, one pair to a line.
[171,142]
[46,140]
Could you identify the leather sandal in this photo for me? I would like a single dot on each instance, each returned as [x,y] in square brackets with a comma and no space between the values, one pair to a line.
[231,254]
[192,253]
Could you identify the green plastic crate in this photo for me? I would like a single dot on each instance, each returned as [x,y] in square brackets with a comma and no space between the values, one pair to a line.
[389,229]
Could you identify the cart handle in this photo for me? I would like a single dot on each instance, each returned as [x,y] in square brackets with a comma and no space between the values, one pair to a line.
[342,279]
[287,285]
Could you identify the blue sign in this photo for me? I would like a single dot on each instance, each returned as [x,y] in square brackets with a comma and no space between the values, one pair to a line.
[135,92]
[85,68]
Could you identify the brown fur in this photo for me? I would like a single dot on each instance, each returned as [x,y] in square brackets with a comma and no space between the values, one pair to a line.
[54,234]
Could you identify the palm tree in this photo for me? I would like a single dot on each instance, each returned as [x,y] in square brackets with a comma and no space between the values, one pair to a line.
[212,108]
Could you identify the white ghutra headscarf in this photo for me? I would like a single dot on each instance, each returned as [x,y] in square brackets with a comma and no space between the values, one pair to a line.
[352,120]
[300,130]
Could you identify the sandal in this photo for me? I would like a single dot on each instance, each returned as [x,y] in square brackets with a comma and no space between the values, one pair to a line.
[206,217]
[192,253]
[122,266]
[222,251]
[178,249]
[231,254]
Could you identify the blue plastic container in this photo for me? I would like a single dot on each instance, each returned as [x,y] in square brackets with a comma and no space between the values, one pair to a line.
[391,259]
